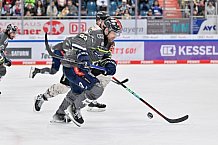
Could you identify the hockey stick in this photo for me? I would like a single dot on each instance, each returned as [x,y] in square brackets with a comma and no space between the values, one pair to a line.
[122,82]
[47,47]
[155,110]
[52,54]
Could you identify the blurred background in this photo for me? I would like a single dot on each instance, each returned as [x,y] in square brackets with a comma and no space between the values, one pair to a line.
[139,17]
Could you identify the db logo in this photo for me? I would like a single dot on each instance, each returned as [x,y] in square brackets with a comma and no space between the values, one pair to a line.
[74,27]
[54,28]
[168,50]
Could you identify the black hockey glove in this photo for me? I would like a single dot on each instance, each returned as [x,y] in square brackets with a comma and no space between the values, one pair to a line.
[109,65]
[83,61]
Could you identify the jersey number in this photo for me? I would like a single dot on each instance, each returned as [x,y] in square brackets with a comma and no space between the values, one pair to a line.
[83,36]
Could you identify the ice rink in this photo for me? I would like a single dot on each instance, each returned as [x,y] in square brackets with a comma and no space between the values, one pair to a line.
[174,90]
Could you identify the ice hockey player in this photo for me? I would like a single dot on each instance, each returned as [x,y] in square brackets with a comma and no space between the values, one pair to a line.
[100,16]
[9,33]
[55,63]
[85,49]
[63,86]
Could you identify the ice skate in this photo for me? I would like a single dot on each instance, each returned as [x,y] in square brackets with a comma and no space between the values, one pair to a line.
[96,107]
[75,115]
[39,100]
[33,72]
[60,118]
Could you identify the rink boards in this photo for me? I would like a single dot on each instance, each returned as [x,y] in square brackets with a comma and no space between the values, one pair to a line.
[150,49]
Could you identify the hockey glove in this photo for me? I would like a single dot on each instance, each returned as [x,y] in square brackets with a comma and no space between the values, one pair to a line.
[109,65]
[7,62]
[1,48]
[83,61]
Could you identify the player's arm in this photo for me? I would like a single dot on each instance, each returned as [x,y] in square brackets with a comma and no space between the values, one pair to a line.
[75,50]
[7,61]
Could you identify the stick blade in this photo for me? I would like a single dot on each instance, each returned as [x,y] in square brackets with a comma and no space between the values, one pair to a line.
[124,81]
[178,120]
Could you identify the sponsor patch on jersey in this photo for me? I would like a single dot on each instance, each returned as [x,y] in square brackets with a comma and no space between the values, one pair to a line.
[100,36]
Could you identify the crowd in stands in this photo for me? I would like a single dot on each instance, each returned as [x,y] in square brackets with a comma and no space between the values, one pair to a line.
[121,8]
[200,7]
[124,9]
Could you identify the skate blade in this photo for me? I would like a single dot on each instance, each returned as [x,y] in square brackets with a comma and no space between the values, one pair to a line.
[31,72]
[58,122]
[94,109]
[71,117]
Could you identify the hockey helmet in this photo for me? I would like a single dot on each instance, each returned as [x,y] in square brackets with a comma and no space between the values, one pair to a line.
[113,24]
[11,28]
[102,15]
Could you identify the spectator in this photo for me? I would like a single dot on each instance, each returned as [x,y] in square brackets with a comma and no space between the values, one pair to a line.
[132,4]
[39,9]
[187,9]
[83,11]
[10,2]
[126,14]
[64,12]
[120,10]
[150,14]
[72,8]
[156,9]
[102,5]
[47,3]
[76,3]
[200,8]
[32,2]
[61,5]
[16,9]
[29,8]
[6,9]
[52,9]
[210,9]
[28,14]
[144,5]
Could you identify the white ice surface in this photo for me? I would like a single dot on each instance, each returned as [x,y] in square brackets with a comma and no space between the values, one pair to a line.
[175,90]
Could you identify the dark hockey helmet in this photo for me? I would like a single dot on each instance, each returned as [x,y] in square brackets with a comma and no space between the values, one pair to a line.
[113,24]
[11,28]
[102,15]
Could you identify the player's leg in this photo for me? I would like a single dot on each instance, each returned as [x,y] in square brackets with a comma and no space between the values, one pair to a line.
[95,106]
[54,90]
[2,71]
[51,92]
[79,101]
[78,97]
[53,70]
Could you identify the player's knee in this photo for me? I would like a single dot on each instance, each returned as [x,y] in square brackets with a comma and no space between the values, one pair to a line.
[95,92]
[71,97]
[53,71]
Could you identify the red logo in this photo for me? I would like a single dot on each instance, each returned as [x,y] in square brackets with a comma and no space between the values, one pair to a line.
[54,28]
[74,27]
